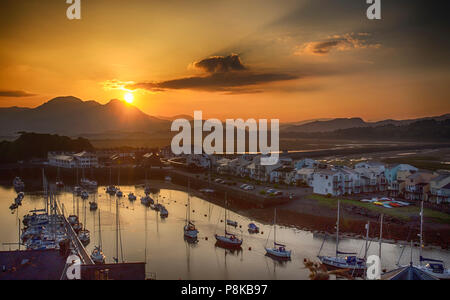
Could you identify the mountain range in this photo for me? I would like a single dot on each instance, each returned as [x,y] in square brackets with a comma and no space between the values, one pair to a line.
[346,123]
[73,117]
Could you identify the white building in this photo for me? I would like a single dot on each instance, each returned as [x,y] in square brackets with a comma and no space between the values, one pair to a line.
[69,160]
[326,182]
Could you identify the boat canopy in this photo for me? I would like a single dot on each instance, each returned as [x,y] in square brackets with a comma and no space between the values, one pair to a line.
[346,253]
[280,245]
[431,260]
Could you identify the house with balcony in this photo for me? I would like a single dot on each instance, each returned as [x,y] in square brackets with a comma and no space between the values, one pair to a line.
[418,185]
[440,189]
[283,174]
[397,187]
[391,172]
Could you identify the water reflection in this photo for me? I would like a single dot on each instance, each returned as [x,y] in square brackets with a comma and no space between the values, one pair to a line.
[161,243]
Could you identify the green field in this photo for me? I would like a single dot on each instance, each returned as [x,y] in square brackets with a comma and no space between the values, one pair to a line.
[402,213]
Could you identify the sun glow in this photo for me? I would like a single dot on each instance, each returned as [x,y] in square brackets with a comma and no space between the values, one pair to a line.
[129,97]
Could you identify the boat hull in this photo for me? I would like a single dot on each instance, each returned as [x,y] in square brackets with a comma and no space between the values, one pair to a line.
[332,265]
[192,234]
[278,254]
[227,242]
[441,276]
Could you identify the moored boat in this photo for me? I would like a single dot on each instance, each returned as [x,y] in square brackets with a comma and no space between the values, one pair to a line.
[278,250]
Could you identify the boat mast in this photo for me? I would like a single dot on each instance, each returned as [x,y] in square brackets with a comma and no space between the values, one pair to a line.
[367,239]
[381,235]
[226,204]
[99,231]
[421,233]
[275,227]
[337,229]
[117,230]
[188,213]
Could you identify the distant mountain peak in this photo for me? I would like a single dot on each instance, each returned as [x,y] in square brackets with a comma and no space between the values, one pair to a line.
[64,99]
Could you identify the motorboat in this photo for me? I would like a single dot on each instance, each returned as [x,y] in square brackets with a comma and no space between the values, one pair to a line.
[93,205]
[84,195]
[232,223]
[84,236]
[163,212]
[97,256]
[18,184]
[252,228]
[132,197]
[111,190]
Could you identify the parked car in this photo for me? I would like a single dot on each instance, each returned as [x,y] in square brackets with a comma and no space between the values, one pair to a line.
[249,188]
[243,186]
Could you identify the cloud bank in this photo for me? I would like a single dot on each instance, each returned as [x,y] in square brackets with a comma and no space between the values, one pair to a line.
[15,94]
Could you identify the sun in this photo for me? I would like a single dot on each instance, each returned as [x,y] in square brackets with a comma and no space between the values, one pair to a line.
[129,97]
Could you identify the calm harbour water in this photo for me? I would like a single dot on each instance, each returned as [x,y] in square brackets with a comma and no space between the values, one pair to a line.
[145,236]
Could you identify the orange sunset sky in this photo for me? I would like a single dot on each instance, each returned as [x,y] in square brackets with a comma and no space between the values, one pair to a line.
[286,59]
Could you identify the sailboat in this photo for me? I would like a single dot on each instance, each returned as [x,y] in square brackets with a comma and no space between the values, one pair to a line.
[97,255]
[189,228]
[84,235]
[355,265]
[433,267]
[59,182]
[111,189]
[118,191]
[278,250]
[228,239]
[93,205]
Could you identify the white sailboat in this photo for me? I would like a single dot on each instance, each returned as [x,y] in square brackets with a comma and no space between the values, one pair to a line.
[355,265]
[190,231]
[278,250]
[84,235]
[433,267]
[97,255]
[228,239]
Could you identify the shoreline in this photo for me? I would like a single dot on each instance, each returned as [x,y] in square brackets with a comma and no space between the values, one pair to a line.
[323,222]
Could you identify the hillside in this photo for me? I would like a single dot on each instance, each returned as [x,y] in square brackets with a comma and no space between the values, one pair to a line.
[424,130]
[33,145]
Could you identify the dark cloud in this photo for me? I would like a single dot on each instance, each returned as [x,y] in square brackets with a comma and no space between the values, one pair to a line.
[15,94]
[216,81]
[219,64]
[343,42]
[225,74]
